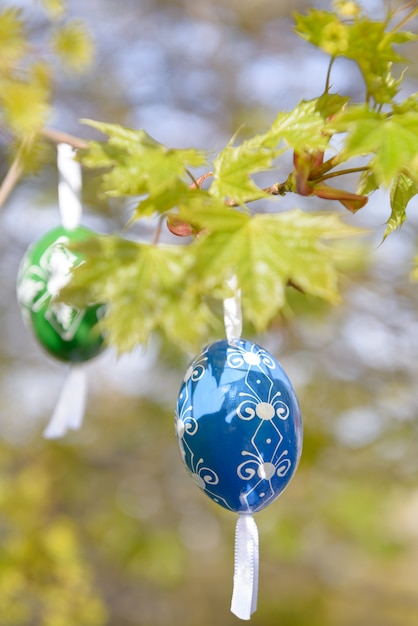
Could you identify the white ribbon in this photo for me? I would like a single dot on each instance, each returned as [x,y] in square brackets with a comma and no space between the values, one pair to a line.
[69,410]
[232,311]
[70,407]
[69,186]
[244,596]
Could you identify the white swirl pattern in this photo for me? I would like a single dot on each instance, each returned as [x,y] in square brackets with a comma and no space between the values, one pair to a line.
[238,356]
[196,370]
[38,285]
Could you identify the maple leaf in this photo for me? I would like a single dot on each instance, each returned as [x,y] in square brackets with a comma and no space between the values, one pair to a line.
[234,166]
[138,164]
[303,128]
[145,289]
[365,41]
[391,138]
[403,189]
[266,252]
[323,29]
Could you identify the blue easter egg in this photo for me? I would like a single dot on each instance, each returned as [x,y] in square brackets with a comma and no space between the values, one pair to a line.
[238,425]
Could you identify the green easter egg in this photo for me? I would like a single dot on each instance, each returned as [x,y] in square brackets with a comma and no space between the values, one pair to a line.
[66,332]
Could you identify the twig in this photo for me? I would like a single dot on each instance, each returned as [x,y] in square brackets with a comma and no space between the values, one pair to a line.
[16,169]
[11,179]
[278,189]
[57,136]
[406,19]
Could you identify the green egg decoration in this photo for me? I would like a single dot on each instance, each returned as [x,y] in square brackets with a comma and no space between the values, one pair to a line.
[68,333]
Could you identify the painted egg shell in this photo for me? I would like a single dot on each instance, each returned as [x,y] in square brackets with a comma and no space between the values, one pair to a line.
[238,425]
[68,333]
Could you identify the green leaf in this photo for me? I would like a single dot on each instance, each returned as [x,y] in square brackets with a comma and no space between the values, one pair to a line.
[233,167]
[121,136]
[362,40]
[73,45]
[408,105]
[179,195]
[303,127]
[220,218]
[393,139]
[149,289]
[138,165]
[403,189]
[324,30]
[329,104]
[268,251]
[361,125]
[367,184]
[145,288]
[372,48]
[398,147]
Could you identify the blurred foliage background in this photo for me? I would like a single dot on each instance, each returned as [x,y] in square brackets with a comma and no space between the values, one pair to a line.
[105,527]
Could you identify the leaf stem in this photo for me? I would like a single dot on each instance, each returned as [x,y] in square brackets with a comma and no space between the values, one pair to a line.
[328,77]
[350,170]
[192,178]
[157,231]
[325,167]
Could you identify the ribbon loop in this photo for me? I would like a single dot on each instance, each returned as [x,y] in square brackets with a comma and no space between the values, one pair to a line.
[244,596]
[232,311]
[69,186]
[70,407]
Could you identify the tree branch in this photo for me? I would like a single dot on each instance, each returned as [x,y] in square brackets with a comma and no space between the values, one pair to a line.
[16,169]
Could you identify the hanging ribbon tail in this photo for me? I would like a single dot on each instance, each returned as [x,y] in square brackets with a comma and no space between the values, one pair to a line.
[244,596]
[69,410]
[233,311]
[69,186]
